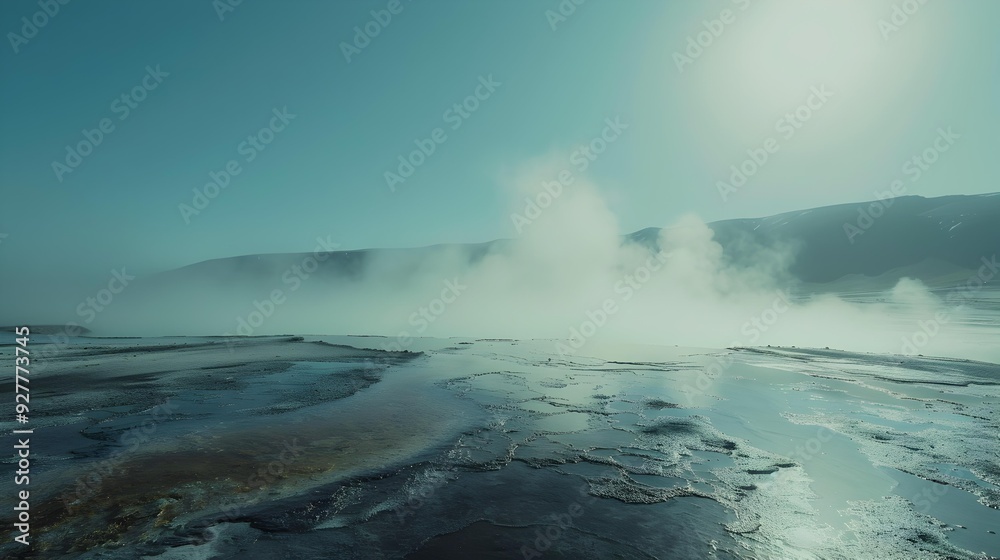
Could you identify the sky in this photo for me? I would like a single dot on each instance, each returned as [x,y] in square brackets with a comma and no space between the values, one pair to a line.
[118,114]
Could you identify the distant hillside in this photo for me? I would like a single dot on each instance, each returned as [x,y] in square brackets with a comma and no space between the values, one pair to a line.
[950,230]
[934,239]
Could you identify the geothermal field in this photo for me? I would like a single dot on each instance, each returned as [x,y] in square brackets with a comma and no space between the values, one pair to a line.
[838,406]
[329,447]
[500,280]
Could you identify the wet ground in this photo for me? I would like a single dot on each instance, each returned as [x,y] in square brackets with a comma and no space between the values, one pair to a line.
[325,447]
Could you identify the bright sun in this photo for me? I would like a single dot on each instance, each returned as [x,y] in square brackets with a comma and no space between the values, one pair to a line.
[766,62]
[789,46]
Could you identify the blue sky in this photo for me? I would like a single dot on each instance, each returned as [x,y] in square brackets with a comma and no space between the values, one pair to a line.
[324,172]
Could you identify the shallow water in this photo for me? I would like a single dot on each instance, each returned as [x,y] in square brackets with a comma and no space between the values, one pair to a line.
[491,450]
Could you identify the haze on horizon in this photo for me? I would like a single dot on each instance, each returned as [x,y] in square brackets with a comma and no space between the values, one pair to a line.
[438,130]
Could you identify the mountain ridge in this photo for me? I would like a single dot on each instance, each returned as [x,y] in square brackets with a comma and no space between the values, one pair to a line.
[867,239]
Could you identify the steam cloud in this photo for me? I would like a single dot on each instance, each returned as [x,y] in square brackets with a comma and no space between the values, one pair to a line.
[555,281]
